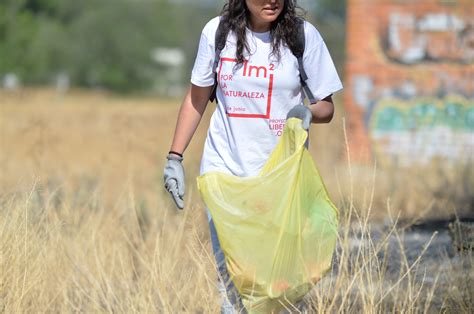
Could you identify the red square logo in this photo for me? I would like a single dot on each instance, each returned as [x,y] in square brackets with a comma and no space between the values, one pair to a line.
[250,70]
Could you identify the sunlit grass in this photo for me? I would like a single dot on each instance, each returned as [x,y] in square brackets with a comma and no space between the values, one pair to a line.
[85,225]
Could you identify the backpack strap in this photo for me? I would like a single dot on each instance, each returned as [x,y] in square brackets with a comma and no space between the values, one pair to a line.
[219,43]
[298,52]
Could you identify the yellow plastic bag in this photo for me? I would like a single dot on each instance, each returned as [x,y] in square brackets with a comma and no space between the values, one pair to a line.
[278,229]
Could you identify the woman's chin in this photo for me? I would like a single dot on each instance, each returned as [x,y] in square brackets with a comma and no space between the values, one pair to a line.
[269,18]
[270,15]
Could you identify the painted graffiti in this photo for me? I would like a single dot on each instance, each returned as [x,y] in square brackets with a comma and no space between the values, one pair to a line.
[410,81]
[432,37]
[421,129]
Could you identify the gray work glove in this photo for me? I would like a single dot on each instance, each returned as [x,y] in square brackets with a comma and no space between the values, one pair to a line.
[174,179]
[303,113]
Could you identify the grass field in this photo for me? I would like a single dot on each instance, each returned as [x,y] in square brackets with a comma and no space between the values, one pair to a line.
[86,226]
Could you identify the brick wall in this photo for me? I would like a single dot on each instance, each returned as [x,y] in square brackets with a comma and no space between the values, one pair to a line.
[409,90]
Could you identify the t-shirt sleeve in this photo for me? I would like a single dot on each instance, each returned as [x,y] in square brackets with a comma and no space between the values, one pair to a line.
[323,79]
[202,71]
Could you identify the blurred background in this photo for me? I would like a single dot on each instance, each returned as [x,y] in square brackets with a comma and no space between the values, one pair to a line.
[407,68]
[89,95]
[101,81]
[122,46]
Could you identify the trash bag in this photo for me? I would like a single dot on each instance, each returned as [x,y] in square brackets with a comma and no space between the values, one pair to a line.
[278,229]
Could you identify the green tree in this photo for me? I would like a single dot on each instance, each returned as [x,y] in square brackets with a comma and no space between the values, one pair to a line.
[107,43]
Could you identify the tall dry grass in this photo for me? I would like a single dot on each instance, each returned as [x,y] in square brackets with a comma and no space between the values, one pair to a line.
[85,225]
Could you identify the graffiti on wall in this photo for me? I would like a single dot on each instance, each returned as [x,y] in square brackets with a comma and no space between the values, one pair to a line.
[433,37]
[418,130]
[406,127]
[411,80]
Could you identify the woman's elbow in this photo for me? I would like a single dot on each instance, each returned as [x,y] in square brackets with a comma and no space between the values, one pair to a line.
[324,112]
[324,118]
[328,116]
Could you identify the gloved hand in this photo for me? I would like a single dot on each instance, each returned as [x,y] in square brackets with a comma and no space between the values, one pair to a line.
[301,112]
[174,179]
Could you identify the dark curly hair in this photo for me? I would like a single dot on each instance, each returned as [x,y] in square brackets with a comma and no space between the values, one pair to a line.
[236,17]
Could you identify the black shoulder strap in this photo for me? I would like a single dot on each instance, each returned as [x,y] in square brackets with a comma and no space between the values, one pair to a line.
[298,52]
[219,43]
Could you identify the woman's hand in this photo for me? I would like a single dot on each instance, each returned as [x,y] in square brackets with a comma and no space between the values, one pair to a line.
[320,112]
[303,113]
[174,179]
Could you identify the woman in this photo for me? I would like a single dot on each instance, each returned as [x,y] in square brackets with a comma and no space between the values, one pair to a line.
[258,89]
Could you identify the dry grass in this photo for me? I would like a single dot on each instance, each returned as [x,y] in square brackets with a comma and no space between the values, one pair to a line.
[85,225]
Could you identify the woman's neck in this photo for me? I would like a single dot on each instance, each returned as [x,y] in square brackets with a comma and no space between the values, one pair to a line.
[257,27]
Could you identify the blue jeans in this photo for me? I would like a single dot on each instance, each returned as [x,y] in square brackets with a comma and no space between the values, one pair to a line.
[231,301]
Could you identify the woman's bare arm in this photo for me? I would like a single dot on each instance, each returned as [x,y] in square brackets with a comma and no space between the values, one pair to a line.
[190,114]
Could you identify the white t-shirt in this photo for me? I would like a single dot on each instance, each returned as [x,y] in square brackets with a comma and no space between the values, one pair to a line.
[255,97]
